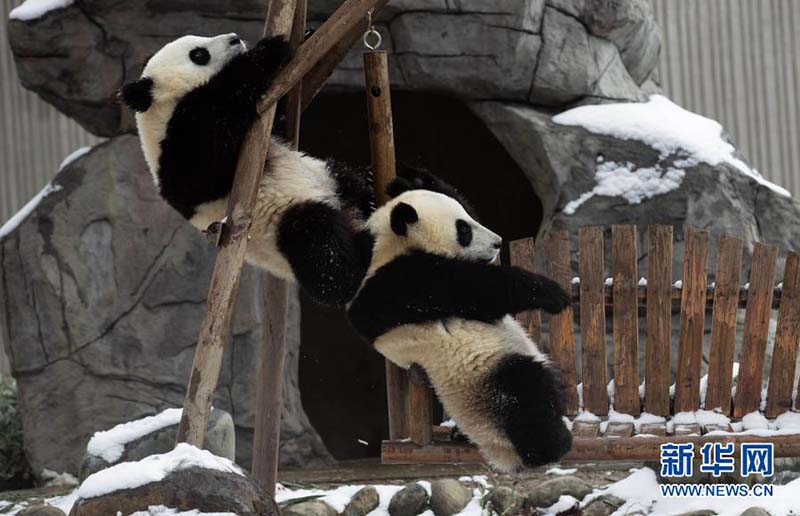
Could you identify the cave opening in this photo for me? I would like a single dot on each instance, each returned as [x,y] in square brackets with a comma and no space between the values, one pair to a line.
[342,381]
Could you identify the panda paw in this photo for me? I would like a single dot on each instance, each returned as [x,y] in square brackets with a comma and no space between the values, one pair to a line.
[275,50]
[551,297]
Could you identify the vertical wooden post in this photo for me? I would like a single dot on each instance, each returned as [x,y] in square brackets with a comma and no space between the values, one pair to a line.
[522,254]
[593,321]
[659,320]
[275,310]
[787,337]
[626,320]
[381,137]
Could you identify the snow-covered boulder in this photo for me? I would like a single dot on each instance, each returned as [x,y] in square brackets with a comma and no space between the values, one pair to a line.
[153,435]
[102,293]
[185,479]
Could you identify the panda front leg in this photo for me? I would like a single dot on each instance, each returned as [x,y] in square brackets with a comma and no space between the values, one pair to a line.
[325,252]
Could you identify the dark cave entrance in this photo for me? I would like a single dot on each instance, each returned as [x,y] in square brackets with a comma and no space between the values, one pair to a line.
[341,378]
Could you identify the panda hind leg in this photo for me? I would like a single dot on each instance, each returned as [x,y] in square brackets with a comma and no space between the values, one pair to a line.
[528,401]
[325,252]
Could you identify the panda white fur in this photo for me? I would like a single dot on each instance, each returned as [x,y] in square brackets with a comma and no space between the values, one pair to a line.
[194,102]
[432,299]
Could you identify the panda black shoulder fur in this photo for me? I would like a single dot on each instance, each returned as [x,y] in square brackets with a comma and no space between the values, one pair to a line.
[194,102]
[432,298]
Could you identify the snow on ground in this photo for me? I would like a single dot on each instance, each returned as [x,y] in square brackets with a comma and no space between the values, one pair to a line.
[32,9]
[664,126]
[12,223]
[154,468]
[160,510]
[561,471]
[74,155]
[640,490]
[109,445]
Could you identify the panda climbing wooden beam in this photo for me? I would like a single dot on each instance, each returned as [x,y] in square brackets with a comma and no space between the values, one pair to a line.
[227,270]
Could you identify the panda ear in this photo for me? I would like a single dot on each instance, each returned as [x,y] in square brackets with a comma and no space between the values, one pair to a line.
[402,215]
[138,95]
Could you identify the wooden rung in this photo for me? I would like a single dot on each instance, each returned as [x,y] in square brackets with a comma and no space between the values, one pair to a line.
[618,429]
[690,429]
[716,428]
[522,255]
[440,432]
[690,341]
[723,323]
[562,336]
[659,320]
[593,320]
[585,429]
[787,335]
[756,329]
[658,429]
[626,320]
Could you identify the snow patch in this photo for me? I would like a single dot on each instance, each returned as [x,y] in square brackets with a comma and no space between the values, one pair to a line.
[561,471]
[109,445]
[160,510]
[32,9]
[666,127]
[755,421]
[12,223]
[128,475]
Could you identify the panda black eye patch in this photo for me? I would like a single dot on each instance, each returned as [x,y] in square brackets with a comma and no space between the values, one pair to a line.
[200,56]
[464,232]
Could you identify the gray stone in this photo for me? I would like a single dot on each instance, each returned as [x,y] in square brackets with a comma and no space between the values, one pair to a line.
[547,52]
[507,501]
[309,508]
[220,440]
[365,500]
[105,287]
[41,510]
[784,477]
[409,501]
[448,496]
[204,490]
[602,506]
[755,511]
[545,494]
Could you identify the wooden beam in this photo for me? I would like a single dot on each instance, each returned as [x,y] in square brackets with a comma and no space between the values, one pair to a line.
[215,329]
[275,310]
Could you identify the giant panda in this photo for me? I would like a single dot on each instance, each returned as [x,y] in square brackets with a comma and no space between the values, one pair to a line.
[432,299]
[194,102]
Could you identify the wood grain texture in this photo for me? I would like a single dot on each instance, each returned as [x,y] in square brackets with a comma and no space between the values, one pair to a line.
[216,325]
[593,321]
[562,331]
[658,320]
[787,335]
[690,340]
[756,329]
[522,255]
[626,320]
[723,323]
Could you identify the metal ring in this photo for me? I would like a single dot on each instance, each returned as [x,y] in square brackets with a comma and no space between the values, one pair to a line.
[378,39]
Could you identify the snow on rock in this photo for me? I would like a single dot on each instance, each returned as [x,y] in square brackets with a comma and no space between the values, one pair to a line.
[448,424]
[632,184]
[754,421]
[561,471]
[73,156]
[788,420]
[128,475]
[564,503]
[32,9]
[666,127]
[160,510]
[12,223]
[109,445]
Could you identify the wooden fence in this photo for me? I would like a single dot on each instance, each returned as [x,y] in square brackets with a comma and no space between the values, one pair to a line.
[624,297]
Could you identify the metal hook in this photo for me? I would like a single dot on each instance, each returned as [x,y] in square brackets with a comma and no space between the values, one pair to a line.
[371,32]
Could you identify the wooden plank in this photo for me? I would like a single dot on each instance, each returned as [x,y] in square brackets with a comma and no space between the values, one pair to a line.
[626,320]
[420,416]
[787,335]
[659,320]
[716,428]
[585,429]
[593,321]
[562,331]
[723,323]
[690,340]
[756,329]
[215,330]
[583,450]
[618,429]
[275,309]
[657,429]
[689,429]
[522,255]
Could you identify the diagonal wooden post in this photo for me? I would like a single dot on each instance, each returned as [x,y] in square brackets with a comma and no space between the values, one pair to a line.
[275,310]
[215,329]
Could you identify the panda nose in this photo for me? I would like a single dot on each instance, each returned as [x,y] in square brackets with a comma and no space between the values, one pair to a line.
[235,40]
[498,244]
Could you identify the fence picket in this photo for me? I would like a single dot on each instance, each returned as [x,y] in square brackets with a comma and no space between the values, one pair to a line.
[626,320]
[593,320]
[787,334]
[522,255]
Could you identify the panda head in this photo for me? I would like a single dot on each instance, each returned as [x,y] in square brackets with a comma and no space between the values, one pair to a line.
[178,68]
[431,222]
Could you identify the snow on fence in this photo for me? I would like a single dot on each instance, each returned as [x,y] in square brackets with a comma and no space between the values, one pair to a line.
[632,404]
